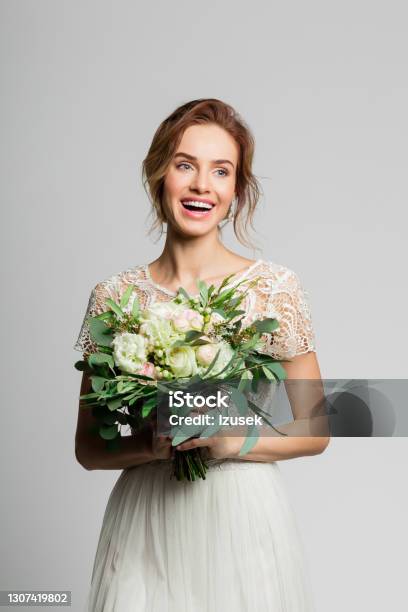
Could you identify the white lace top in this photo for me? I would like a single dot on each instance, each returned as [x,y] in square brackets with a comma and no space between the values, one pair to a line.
[278,293]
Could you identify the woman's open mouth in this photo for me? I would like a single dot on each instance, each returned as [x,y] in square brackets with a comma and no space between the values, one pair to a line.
[197,209]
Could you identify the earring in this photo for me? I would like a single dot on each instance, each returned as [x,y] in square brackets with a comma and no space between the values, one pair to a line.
[230,215]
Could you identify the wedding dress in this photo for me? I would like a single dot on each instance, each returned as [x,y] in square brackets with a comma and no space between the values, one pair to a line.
[229,543]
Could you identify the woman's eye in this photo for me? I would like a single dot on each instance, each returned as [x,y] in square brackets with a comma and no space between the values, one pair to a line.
[186,165]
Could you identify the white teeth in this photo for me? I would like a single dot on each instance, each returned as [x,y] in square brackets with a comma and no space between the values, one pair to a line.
[198,204]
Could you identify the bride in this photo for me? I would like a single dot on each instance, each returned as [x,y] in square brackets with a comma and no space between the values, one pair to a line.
[229,543]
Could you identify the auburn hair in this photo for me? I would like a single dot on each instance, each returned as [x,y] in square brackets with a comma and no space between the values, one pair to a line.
[166,140]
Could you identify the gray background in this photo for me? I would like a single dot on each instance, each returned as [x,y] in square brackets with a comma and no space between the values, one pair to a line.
[85,85]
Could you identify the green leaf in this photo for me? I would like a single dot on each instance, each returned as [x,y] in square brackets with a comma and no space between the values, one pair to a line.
[250,440]
[203,292]
[211,290]
[221,312]
[223,296]
[240,401]
[148,406]
[89,396]
[125,297]
[114,404]
[266,325]
[267,373]
[99,358]
[108,432]
[250,343]
[98,383]
[100,332]
[212,364]
[80,365]
[180,438]
[135,307]
[245,381]
[192,335]
[115,307]
[235,313]
[184,293]
[212,429]
[255,381]
[277,369]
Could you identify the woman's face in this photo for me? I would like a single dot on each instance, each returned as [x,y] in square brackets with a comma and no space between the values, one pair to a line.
[199,185]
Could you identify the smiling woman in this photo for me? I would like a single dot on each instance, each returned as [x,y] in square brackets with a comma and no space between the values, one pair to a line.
[229,542]
[203,147]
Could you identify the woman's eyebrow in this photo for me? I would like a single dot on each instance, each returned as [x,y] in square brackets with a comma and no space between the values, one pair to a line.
[214,161]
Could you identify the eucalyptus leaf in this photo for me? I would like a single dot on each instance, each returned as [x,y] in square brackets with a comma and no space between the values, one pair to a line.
[266,325]
[250,440]
[98,383]
[125,297]
[240,401]
[277,369]
[100,332]
[100,358]
[268,373]
[114,404]
[245,381]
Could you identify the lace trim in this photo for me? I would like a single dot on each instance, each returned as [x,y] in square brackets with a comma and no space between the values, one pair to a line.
[278,293]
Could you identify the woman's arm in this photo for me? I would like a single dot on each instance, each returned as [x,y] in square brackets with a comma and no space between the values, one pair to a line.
[306,401]
[91,452]
[306,405]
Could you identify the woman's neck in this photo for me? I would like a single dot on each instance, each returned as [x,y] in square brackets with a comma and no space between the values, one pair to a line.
[183,261]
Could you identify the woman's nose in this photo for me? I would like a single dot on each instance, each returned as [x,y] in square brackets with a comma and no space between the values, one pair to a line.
[201,181]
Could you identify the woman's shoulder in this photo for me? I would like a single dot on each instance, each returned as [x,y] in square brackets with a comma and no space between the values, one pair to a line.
[278,276]
[120,280]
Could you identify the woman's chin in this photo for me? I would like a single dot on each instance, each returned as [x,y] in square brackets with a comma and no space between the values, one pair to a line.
[193,228]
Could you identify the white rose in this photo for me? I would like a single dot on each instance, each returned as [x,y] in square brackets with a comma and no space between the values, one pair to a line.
[182,361]
[224,357]
[159,332]
[129,352]
[161,310]
[206,353]
[188,319]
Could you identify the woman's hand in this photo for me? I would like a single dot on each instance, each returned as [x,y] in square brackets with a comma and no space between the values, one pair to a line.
[218,447]
[161,445]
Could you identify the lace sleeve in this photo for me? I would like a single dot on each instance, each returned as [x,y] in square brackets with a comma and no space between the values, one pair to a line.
[289,303]
[96,305]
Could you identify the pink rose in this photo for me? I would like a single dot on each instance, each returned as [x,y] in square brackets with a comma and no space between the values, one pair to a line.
[148,369]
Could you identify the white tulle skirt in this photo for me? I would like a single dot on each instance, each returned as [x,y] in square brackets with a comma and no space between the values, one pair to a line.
[226,544]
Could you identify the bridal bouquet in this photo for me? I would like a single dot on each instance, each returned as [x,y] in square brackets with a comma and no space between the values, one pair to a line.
[186,341]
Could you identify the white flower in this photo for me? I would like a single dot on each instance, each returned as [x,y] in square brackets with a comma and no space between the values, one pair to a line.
[188,319]
[129,352]
[182,361]
[207,352]
[161,310]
